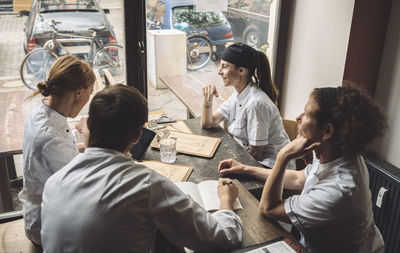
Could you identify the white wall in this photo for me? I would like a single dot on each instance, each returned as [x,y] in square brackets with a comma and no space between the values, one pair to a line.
[388,89]
[317,48]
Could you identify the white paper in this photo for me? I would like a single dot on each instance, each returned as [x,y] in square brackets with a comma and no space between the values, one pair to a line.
[276,247]
[205,194]
[192,190]
[211,5]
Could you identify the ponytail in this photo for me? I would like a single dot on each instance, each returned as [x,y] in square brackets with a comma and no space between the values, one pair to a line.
[262,74]
[68,73]
[242,55]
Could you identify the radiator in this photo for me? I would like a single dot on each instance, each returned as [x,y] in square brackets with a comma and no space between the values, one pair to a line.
[384,176]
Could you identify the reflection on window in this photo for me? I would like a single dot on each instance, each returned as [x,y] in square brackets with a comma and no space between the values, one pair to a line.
[257,6]
[194,19]
[155,10]
[250,21]
[29,31]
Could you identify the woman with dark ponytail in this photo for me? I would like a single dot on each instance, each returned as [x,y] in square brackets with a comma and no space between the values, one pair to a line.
[48,142]
[251,110]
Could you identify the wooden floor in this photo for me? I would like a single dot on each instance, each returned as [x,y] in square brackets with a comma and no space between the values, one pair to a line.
[13,240]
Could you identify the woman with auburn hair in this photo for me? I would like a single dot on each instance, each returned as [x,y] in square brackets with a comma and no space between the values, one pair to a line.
[251,110]
[48,142]
[334,211]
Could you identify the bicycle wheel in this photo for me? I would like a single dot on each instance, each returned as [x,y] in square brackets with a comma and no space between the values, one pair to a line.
[35,67]
[199,51]
[111,57]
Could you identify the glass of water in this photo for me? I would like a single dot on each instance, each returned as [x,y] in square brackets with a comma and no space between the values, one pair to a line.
[168,150]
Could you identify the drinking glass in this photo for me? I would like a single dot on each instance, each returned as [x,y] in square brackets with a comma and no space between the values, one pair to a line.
[168,150]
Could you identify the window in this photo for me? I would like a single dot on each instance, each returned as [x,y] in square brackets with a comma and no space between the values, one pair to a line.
[29,31]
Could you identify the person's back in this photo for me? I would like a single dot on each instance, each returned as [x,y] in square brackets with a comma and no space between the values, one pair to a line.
[48,142]
[102,201]
[342,218]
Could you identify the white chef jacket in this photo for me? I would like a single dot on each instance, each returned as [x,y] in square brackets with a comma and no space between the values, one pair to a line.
[254,119]
[48,145]
[102,201]
[334,212]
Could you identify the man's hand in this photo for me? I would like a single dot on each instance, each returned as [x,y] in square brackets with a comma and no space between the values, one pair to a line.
[231,166]
[227,193]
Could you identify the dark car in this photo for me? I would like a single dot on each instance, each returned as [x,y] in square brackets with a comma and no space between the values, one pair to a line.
[180,14]
[250,21]
[72,17]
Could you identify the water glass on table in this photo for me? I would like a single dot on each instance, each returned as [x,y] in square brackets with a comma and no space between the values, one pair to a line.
[168,150]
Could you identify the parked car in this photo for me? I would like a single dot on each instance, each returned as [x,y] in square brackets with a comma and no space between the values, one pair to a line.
[181,14]
[72,17]
[249,20]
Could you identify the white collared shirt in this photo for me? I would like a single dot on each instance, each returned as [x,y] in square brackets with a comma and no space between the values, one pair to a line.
[255,120]
[102,201]
[334,212]
[48,145]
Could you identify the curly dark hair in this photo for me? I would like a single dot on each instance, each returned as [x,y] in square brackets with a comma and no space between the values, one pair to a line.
[357,119]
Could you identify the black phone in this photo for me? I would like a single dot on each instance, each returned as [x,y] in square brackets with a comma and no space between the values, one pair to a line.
[138,150]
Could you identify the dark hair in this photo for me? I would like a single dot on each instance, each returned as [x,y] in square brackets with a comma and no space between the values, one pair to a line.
[68,73]
[116,116]
[242,55]
[357,118]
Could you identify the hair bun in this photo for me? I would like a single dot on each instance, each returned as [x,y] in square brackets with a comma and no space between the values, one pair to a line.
[43,88]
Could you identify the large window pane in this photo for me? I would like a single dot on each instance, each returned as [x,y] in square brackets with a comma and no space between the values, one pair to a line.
[83,27]
[245,21]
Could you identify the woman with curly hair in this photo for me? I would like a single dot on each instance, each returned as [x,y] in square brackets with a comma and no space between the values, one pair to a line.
[333,212]
[48,142]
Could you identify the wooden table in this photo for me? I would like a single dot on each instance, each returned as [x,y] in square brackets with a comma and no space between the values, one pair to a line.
[188,88]
[256,228]
[12,125]
[13,238]
[207,168]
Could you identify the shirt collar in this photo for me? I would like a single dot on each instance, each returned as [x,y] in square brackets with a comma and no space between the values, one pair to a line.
[327,168]
[57,119]
[99,151]
[243,94]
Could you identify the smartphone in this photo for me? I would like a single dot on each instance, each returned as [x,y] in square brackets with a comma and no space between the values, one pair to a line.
[138,151]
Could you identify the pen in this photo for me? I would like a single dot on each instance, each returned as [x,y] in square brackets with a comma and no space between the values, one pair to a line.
[227,182]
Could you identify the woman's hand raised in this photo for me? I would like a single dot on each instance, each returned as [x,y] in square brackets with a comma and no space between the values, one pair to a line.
[299,147]
[208,92]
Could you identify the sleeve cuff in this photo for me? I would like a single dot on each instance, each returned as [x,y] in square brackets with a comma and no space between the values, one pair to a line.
[292,216]
[258,143]
[227,213]
[225,114]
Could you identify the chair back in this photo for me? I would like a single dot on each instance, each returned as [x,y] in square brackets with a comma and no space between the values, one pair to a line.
[291,130]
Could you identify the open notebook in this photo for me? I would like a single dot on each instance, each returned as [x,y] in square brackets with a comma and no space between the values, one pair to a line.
[205,194]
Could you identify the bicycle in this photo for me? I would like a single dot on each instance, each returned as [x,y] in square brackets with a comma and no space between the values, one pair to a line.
[36,64]
[199,49]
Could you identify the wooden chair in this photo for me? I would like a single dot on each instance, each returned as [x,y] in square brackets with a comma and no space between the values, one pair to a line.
[291,129]
[109,79]
[13,238]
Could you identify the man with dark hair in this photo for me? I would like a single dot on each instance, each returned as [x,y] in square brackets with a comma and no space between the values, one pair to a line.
[102,201]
